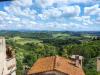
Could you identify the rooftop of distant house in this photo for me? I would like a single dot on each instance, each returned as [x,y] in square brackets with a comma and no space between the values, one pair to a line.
[56,63]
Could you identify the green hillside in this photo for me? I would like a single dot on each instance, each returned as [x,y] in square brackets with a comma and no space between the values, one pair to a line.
[30,46]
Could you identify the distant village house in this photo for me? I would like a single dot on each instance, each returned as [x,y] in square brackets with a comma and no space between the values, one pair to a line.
[56,65]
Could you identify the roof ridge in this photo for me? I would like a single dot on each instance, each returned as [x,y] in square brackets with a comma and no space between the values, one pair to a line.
[54,62]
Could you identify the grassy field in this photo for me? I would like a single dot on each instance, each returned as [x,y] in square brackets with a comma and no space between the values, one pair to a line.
[61,36]
[23,41]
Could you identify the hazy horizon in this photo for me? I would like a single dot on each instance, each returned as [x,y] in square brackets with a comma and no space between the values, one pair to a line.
[54,30]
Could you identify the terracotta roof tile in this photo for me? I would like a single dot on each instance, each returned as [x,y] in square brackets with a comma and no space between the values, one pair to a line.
[56,63]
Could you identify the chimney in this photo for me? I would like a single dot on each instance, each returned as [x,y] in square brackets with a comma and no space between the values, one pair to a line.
[78,60]
[98,64]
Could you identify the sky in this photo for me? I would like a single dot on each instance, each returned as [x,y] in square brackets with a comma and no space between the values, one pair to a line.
[50,15]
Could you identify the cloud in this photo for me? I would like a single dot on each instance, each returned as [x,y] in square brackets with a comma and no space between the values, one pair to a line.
[71,10]
[83,20]
[46,3]
[65,26]
[19,11]
[93,10]
[23,3]
[79,1]
[3,13]
[65,11]
[50,15]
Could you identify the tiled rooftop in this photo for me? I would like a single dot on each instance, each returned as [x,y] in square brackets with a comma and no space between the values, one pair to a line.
[56,63]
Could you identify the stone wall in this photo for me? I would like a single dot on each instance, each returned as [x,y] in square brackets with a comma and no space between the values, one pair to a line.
[4,62]
[98,64]
[2,56]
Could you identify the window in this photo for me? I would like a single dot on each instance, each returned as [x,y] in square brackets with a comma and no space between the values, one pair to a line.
[9,53]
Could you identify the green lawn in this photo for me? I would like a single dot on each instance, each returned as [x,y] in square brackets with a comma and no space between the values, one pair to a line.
[23,41]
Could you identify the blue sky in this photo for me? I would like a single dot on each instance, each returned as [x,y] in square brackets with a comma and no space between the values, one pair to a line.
[52,15]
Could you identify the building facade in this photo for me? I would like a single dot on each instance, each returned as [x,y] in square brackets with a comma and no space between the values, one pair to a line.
[98,64]
[7,59]
[51,73]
